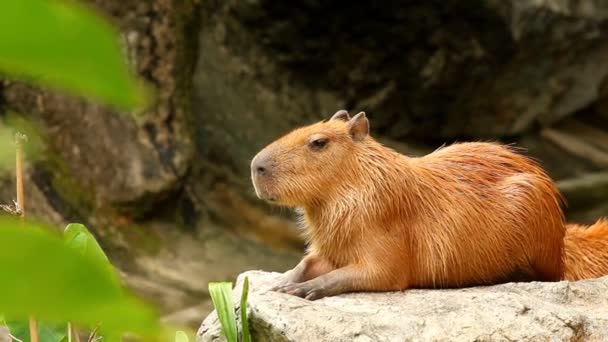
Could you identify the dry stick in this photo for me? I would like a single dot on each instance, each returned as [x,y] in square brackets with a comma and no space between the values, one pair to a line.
[13,210]
[93,334]
[75,333]
[19,138]
[19,173]
[72,332]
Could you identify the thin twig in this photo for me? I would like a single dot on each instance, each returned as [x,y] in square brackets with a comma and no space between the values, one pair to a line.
[76,336]
[33,329]
[19,139]
[11,209]
[93,333]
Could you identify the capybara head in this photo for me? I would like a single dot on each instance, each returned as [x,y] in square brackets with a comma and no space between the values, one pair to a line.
[303,166]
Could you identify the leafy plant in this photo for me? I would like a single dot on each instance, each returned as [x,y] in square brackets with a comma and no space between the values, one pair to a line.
[46,331]
[221,295]
[64,285]
[78,237]
[64,44]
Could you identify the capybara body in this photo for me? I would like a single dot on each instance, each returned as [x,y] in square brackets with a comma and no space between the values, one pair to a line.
[376,220]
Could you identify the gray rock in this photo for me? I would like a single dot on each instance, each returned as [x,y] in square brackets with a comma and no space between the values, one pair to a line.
[557,68]
[586,189]
[557,311]
[587,196]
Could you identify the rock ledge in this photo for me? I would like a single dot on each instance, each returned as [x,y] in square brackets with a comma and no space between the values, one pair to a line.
[559,311]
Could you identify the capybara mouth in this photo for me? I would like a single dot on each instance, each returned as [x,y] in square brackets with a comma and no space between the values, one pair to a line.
[263,194]
[267,197]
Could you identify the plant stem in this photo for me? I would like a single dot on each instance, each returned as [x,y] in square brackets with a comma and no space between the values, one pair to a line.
[19,138]
[69,332]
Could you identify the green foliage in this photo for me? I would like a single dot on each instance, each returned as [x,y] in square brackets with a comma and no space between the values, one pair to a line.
[46,331]
[7,154]
[12,123]
[77,237]
[221,295]
[44,277]
[66,45]
[244,319]
[181,336]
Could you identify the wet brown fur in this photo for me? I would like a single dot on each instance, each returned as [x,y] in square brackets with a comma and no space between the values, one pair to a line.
[467,214]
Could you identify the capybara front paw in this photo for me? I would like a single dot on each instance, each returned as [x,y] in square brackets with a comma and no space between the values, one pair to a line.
[303,290]
[285,281]
[281,285]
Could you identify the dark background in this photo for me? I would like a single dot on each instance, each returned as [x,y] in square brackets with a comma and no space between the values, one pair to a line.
[168,194]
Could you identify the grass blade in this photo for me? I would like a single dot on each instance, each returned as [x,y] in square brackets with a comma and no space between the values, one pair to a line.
[244,319]
[221,295]
[181,336]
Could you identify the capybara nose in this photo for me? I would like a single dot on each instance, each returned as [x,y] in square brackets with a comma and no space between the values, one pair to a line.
[260,166]
[260,170]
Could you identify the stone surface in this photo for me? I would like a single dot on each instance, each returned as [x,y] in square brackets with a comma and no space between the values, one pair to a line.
[5,334]
[559,311]
[557,68]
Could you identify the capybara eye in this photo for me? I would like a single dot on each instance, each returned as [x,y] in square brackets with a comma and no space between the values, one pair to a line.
[318,144]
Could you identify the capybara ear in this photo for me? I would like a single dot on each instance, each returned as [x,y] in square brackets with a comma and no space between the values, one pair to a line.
[358,127]
[340,115]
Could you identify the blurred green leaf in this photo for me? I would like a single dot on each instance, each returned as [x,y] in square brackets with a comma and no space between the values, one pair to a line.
[10,125]
[77,237]
[221,295]
[43,277]
[50,332]
[244,318]
[181,336]
[32,129]
[7,149]
[67,45]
